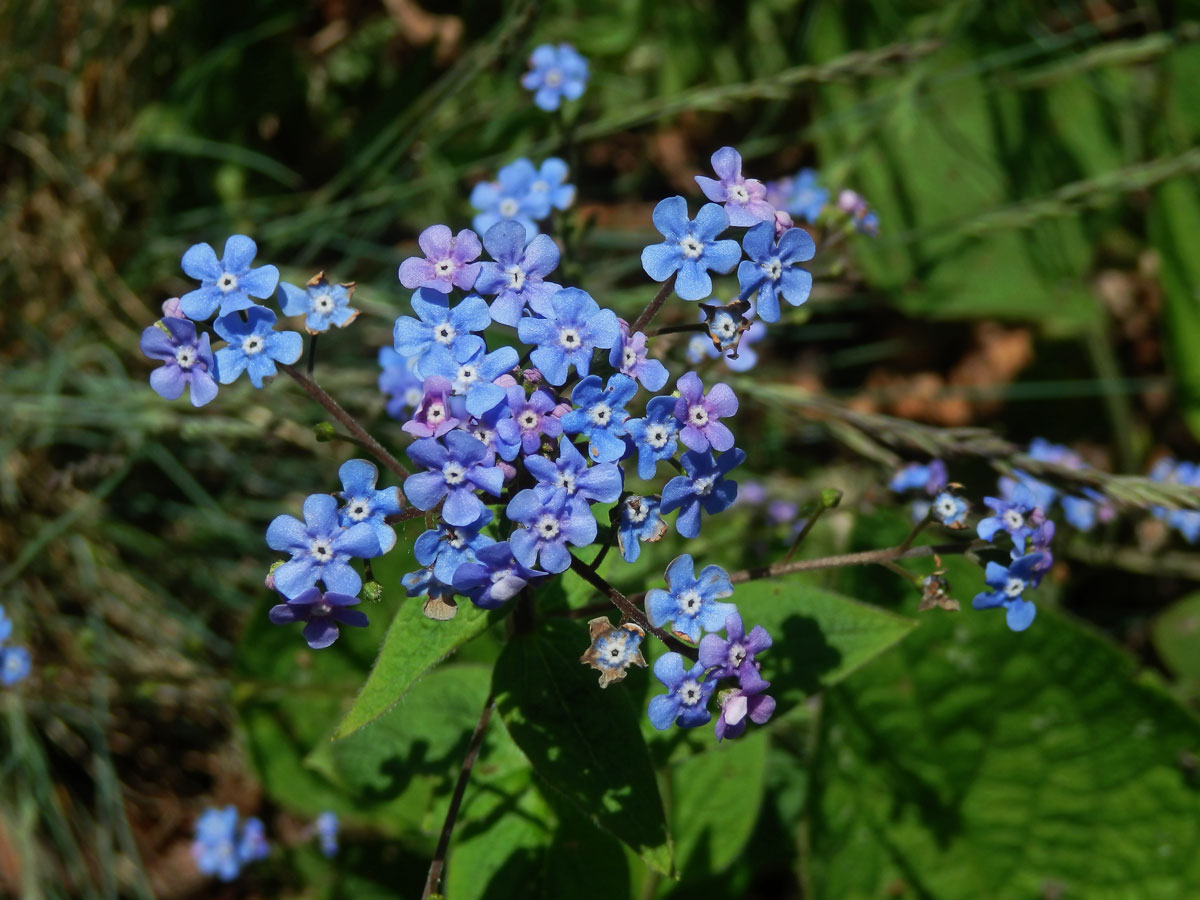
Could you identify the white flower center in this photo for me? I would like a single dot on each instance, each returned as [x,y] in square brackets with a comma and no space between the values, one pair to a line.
[636,511]
[320,550]
[497,577]
[690,693]
[689,601]
[656,436]
[569,338]
[945,508]
[553,77]
[444,267]
[1012,519]
[724,326]
[547,527]
[1014,587]
[444,333]
[600,414]
[737,655]
[516,277]
[322,303]
[691,248]
[698,416]
[528,420]
[773,268]
[566,481]
[541,186]
[453,473]
[252,345]
[737,193]
[628,358]
[703,486]
[508,207]
[467,375]
[358,509]
[457,539]
[485,436]
[227,282]
[436,413]
[323,608]
[185,357]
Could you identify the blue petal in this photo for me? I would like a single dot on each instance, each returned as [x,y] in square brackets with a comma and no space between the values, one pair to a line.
[1020,614]
[659,261]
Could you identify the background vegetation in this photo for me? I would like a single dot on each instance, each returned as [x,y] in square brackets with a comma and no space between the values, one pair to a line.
[1034,168]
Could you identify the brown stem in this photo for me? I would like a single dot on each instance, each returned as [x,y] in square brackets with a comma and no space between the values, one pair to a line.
[628,610]
[654,306]
[678,329]
[439,855]
[411,513]
[916,529]
[351,424]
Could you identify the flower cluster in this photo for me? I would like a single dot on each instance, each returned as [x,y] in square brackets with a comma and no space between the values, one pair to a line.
[14,660]
[1185,521]
[220,849]
[523,193]
[692,605]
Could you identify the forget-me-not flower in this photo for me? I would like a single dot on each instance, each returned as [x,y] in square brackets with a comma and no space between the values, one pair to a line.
[473,375]
[772,268]
[655,435]
[691,248]
[802,196]
[691,603]
[573,326]
[254,346]
[555,74]
[532,417]
[744,198]
[628,356]
[400,383]
[639,521]
[447,547]
[188,360]
[703,487]
[214,848]
[518,275]
[510,197]
[321,612]
[549,523]
[686,702]
[433,416]
[227,283]
[494,578]
[699,414]
[441,335]
[613,649]
[448,262]
[363,503]
[454,471]
[320,548]
[733,655]
[571,473]
[600,415]
[322,304]
[1018,514]
[1008,584]
[327,832]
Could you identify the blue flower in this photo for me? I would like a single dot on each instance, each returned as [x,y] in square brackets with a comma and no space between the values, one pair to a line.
[228,283]
[655,435]
[254,346]
[320,548]
[253,843]
[700,414]
[1008,584]
[916,477]
[517,277]
[549,524]
[639,521]
[496,578]
[321,613]
[741,704]
[455,471]
[447,547]
[691,247]
[473,375]
[551,181]
[532,416]
[744,198]
[555,73]
[14,665]
[1018,515]
[214,849]
[322,304]
[423,583]
[574,325]
[499,440]
[950,510]
[613,649]
[327,832]
[399,382]
[686,704]
[802,197]
[628,356]
[703,487]
[442,336]
[365,504]
[571,473]
[188,361]
[600,415]
[772,268]
[510,197]
[690,602]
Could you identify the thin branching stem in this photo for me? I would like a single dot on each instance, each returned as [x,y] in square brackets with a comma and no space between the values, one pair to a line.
[627,608]
[653,306]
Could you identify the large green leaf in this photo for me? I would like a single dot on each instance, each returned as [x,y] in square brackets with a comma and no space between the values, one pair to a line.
[414,645]
[1176,634]
[974,762]
[583,740]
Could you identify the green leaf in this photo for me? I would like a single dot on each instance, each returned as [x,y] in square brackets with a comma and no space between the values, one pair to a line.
[974,762]
[715,798]
[819,637]
[583,740]
[1174,221]
[1176,634]
[414,645]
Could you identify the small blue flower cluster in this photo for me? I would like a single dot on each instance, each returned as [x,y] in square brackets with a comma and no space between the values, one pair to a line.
[691,604]
[555,74]
[14,660]
[1185,521]
[524,193]
[252,345]
[218,848]
[326,828]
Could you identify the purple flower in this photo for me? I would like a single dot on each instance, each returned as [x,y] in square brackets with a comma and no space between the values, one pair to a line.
[628,356]
[690,603]
[613,650]
[320,548]
[700,414]
[188,361]
[600,415]
[365,504]
[1040,541]
[549,523]
[639,521]
[571,473]
[254,346]
[1018,514]
[443,335]
[1008,584]
[455,471]
[486,429]
[517,277]
[322,612]
[322,304]
[447,547]
[228,283]
[741,704]
[473,375]
[655,435]
[496,578]
[253,844]
[691,247]
[703,487]
[555,73]
[744,198]
[573,326]
[531,418]
[400,383]
[686,704]
[733,655]
[772,268]
[433,416]
[447,263]
[510,197]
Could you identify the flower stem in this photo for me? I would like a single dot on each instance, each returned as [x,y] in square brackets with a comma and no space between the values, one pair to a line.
[678,329]
[312,353]
[318,393]
[654,305]
[916,529]
[627,608]
[439,855]
[822,505]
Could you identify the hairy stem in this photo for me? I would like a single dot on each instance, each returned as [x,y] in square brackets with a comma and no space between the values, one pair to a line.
[653,306]
[439,855]
[678,329]
[332,407]
[627,608]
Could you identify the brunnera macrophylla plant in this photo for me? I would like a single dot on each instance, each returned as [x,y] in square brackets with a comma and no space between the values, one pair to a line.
[528,403]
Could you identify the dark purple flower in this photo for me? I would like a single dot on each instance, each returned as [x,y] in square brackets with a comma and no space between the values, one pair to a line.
[739,705]
[532,417]
[447,263]
[699,414]
[188,361]
[433,417]
[628,356]
[733,655]
[495,578]
[322,612]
